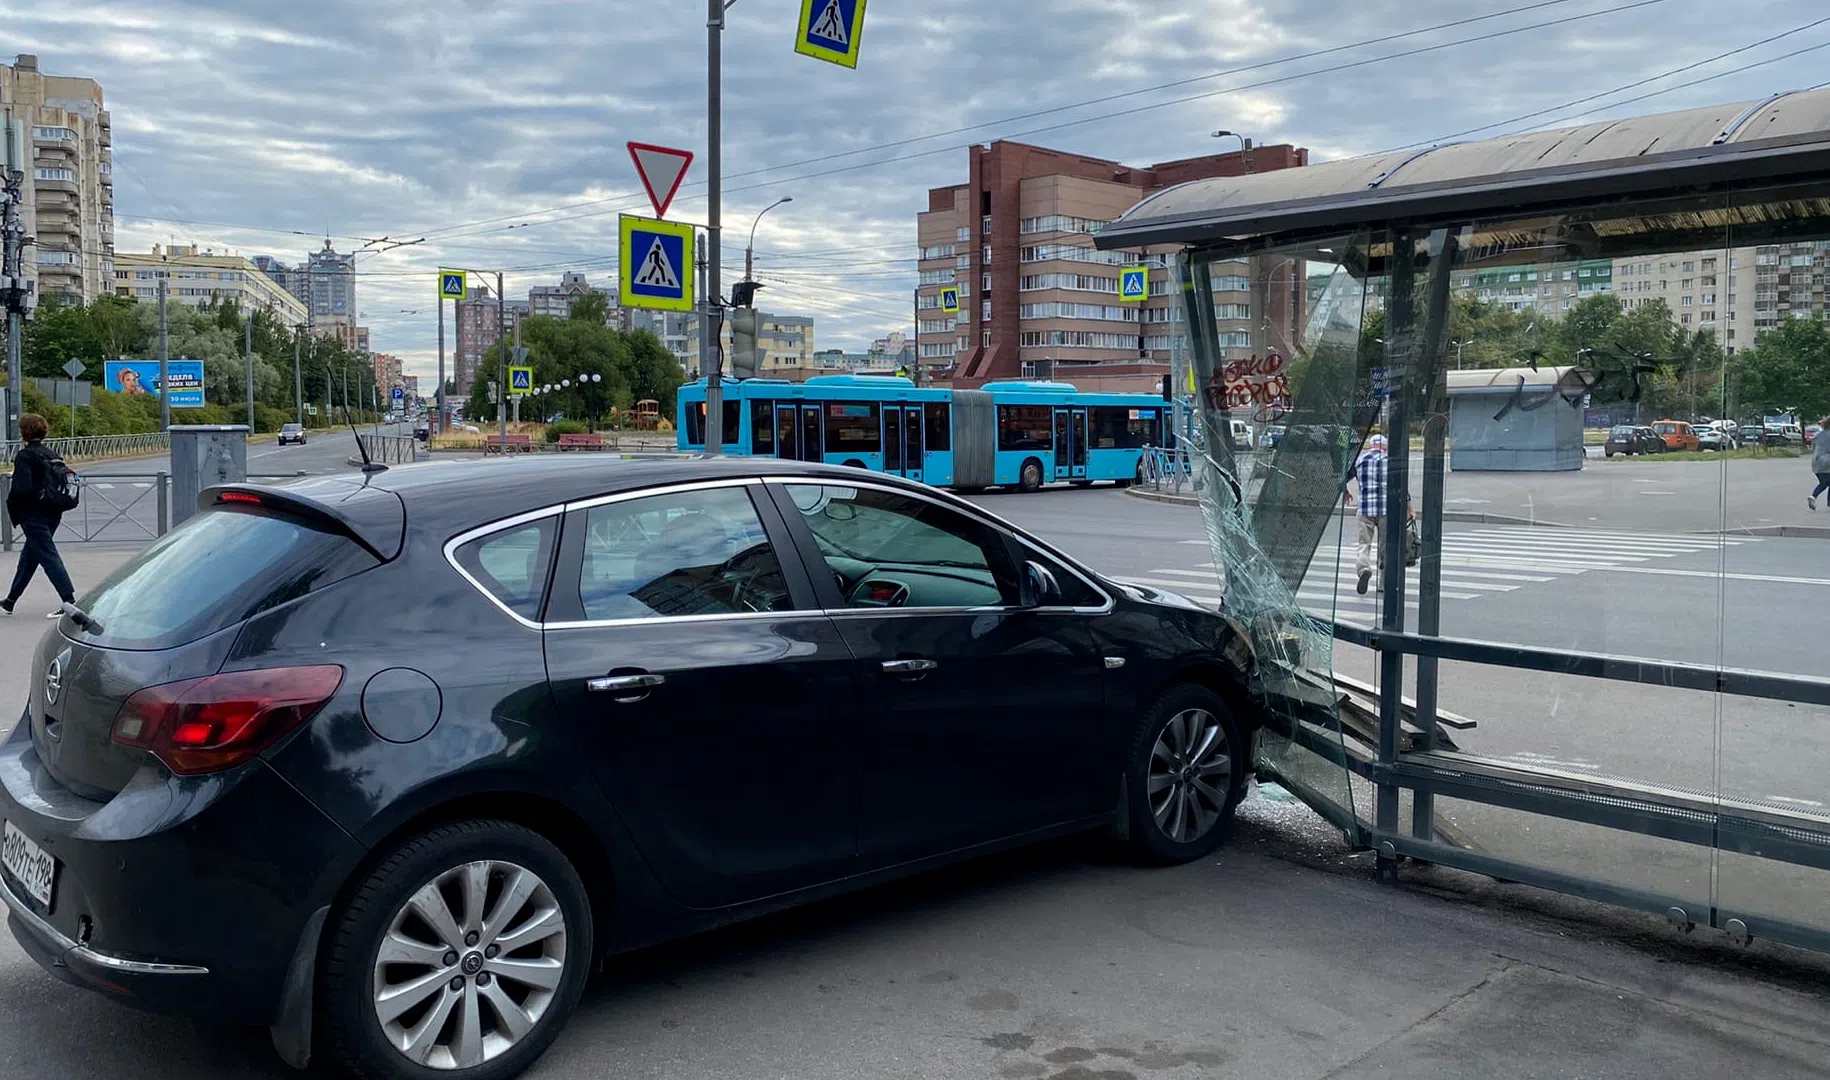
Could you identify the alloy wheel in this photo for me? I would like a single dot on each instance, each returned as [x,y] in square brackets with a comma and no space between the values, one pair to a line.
[1190,778]
[469,965]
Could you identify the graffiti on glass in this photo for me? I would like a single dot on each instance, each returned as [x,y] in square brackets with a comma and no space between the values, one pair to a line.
[1257,384]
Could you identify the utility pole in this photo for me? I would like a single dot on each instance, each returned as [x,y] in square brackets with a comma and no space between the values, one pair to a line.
[518,360]
[502,361]
[165,396]
[438,421]
[709,362]
[298,379]
[12,268]
[247,350]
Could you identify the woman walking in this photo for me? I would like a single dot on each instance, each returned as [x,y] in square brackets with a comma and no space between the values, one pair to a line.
[32,508]
[1820,464]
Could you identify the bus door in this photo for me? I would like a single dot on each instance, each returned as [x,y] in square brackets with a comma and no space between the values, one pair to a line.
[1070,444]
[813,443]
[787,433]
[902,449]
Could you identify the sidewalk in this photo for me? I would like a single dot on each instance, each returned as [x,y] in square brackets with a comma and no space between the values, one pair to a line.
[88,564]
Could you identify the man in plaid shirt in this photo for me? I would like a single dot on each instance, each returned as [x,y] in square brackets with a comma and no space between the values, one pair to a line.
[1370,511]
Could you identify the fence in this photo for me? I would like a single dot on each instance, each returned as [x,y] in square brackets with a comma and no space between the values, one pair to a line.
[120,508]
[96,446]
[390,449]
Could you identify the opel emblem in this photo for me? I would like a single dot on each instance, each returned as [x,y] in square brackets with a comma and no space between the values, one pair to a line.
[54,677]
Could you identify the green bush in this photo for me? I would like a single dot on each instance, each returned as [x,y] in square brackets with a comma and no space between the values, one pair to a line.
[566,427]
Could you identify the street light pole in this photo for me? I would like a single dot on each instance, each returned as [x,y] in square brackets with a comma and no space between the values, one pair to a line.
[709,363]
[502,360]
[749,249]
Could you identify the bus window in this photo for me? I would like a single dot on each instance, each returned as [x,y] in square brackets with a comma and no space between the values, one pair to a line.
[762,428]
[940,435]
[852,428]
[1109,426]
[1144,428]
[695,424]
[1026,427]
[1119,428]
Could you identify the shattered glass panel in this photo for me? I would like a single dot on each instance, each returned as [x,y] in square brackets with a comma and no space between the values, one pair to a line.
[1274,379]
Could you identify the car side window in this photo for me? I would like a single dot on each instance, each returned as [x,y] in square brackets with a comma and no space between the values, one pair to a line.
[682,553]
[511,565]
[890,550]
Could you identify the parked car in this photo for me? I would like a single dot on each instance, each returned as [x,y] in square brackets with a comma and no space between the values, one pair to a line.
[1677,434]
[422,431]
[1712,438]
[292,433]
[389,763]
[1628,439]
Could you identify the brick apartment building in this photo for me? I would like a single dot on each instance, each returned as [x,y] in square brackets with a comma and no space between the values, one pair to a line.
[1038,300]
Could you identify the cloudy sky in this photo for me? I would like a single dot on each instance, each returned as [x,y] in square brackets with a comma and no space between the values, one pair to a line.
[495,129]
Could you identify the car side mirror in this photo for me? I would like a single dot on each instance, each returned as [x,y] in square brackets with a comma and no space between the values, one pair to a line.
[1039,587]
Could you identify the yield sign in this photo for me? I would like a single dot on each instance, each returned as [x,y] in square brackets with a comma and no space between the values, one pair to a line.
[661,169]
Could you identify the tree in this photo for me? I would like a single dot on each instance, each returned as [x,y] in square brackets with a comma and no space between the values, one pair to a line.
[1787,370]
[591,307]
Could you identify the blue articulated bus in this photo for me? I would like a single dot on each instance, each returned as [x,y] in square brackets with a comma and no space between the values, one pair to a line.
[1004,434]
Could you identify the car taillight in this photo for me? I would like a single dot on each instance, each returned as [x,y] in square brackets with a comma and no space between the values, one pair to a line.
[218,722]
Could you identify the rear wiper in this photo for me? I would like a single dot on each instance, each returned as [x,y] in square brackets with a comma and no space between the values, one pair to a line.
[83,619]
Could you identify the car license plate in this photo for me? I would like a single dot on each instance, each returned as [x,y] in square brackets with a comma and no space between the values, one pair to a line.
[29,864]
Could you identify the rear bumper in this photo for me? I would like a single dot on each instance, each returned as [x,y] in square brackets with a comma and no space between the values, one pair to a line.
[175,897]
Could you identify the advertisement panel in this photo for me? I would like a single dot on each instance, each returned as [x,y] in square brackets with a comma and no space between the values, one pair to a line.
[142,377]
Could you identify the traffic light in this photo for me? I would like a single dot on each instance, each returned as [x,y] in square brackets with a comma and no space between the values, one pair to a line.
[743,294]
[1169,388]
[743,343]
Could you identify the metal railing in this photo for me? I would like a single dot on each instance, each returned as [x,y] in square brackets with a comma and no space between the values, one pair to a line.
[122,508]
[390,449]
[72,448]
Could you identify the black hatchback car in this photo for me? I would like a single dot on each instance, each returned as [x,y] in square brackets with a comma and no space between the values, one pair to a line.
[1628,439]
[391,763]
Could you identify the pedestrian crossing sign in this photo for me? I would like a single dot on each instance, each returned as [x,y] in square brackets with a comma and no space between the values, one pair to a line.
[657,264]
[1134,284]
[830,31]
[949,300]
[451,285]
[520,380]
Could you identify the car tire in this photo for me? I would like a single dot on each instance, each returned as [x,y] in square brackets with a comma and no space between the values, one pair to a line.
[1029,477]
[382,910]
[854,463]
[1607,453]
[1177,722]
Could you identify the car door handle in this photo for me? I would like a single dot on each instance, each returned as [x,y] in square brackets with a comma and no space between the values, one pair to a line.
[908,667]
[626,687]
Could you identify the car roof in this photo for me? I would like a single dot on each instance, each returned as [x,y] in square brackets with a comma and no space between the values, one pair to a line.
[450,496]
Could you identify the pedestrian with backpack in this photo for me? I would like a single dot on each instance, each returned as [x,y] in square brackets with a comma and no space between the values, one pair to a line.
[43,488]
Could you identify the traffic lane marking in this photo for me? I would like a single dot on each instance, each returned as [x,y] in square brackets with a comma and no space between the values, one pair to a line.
[1777,579]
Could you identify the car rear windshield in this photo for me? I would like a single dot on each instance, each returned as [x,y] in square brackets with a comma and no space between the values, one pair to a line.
[1621,432]
[221,567]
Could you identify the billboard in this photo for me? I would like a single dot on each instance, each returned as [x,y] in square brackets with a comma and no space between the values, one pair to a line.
[142,377]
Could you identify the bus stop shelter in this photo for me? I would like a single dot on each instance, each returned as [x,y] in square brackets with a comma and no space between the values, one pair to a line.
[1596,723]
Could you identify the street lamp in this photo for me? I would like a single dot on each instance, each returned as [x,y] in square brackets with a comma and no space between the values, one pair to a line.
[749,251]
[1245,146]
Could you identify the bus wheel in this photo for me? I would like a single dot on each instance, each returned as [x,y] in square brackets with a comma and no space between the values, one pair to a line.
[854,463]
[1030,477]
